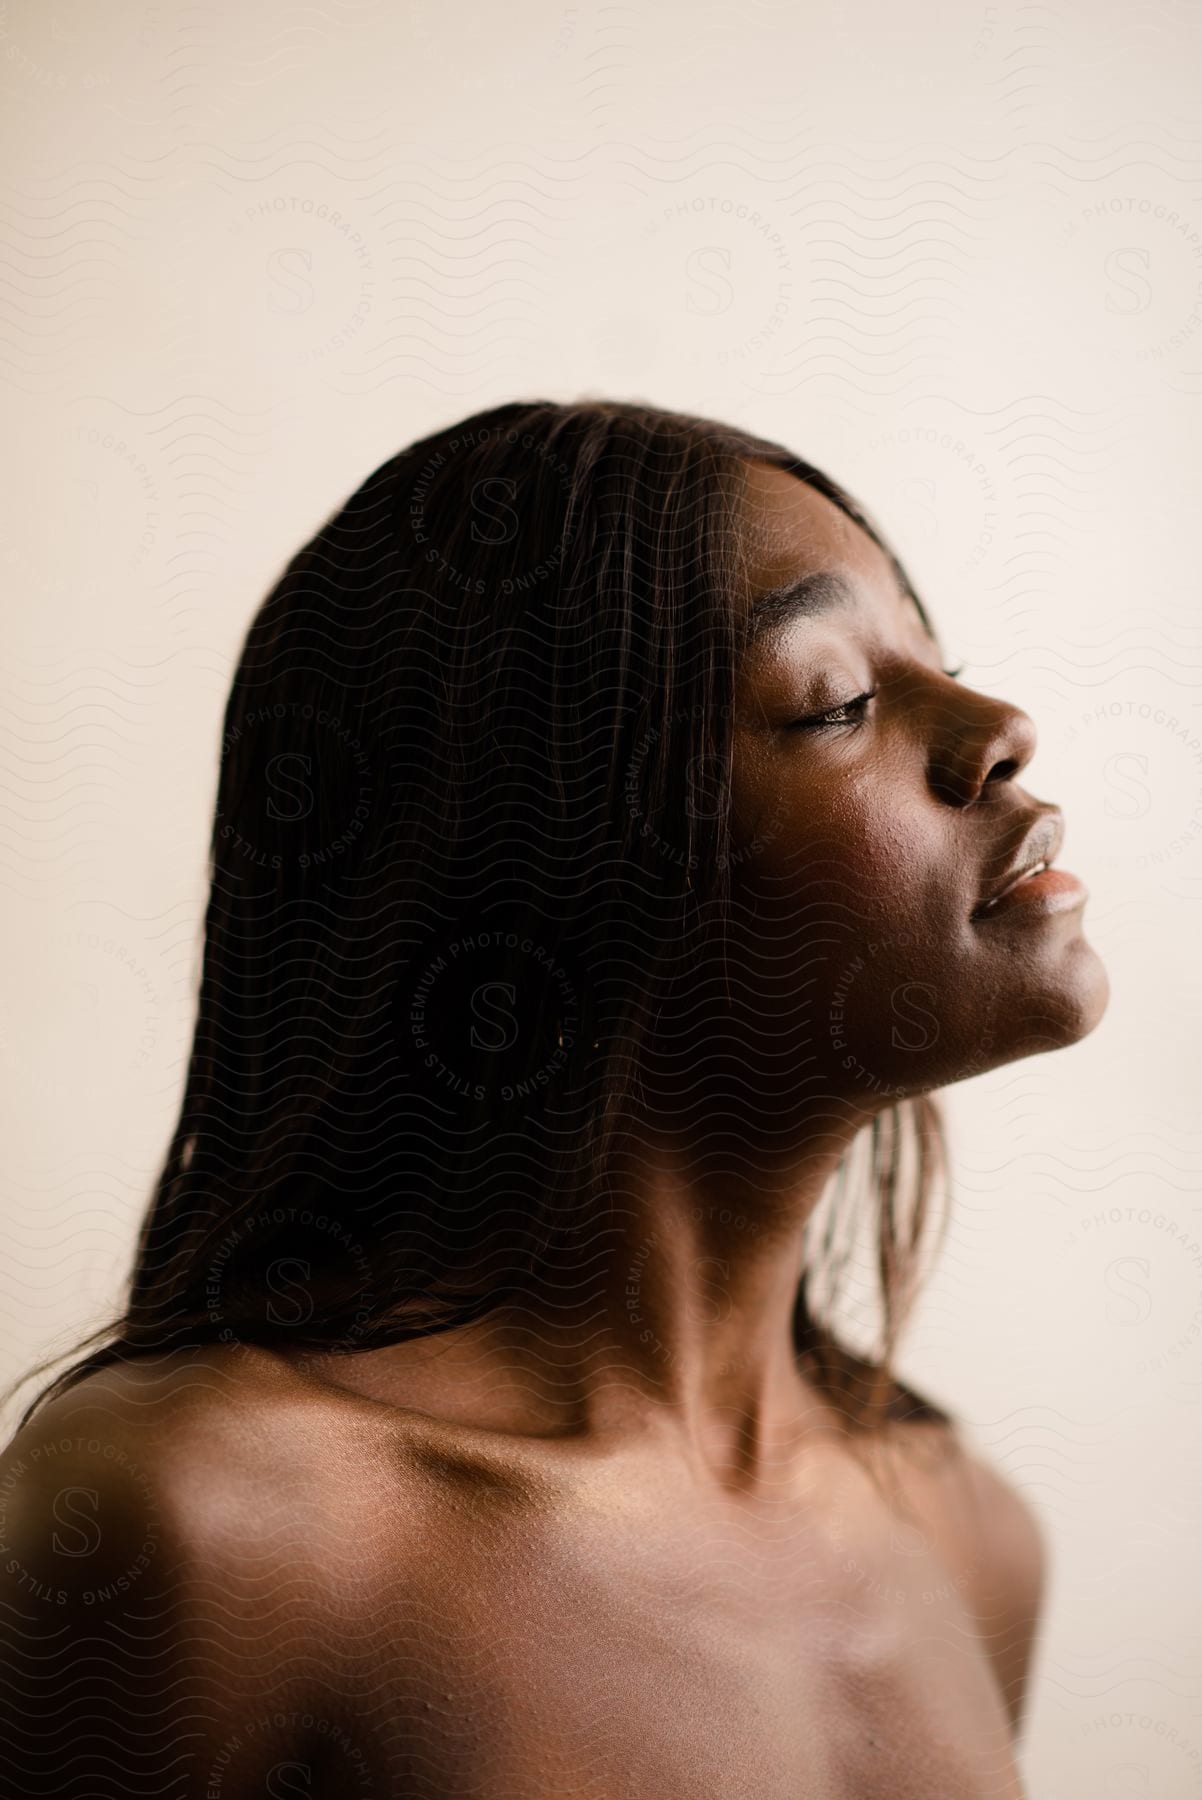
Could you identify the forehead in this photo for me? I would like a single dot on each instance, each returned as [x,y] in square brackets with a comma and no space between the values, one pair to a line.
[791,530]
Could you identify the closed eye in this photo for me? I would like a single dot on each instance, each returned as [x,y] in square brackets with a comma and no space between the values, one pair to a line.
[848,712]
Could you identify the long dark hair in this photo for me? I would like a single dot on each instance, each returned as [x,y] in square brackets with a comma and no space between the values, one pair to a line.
[467,827]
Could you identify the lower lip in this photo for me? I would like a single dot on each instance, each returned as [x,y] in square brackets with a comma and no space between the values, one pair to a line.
[1051,891]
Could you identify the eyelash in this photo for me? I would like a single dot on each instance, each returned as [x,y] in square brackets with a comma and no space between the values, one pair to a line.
[827,721]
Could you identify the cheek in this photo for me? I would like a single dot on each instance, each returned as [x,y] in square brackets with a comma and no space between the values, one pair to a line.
[855,928]
[835,847]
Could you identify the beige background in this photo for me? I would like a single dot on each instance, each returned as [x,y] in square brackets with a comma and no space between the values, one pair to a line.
[951,252]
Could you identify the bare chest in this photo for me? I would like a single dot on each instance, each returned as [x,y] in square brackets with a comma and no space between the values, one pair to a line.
[699,1657]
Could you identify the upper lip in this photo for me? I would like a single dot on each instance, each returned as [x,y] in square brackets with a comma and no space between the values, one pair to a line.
[1040,844]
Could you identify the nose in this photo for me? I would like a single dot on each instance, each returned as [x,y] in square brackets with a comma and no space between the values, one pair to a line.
[978,739]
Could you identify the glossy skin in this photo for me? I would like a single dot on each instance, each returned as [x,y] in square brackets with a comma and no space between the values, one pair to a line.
[614,1543]
[408,1606]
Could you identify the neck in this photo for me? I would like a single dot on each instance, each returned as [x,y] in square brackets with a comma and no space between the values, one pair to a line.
[682,1319]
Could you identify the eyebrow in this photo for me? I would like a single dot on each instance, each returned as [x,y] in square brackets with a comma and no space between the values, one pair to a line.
[818,592]
[810,595]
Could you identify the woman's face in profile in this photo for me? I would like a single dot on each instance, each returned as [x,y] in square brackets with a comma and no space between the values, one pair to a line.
[870,831]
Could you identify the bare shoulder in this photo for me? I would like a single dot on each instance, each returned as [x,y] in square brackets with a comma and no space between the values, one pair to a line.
[135,1431]
[164,1435]
[989,1538]
[176,1586]
[234,1450]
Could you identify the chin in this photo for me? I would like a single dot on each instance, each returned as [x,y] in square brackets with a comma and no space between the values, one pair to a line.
[1028,1021]
[1083,1004]
[1061,1016]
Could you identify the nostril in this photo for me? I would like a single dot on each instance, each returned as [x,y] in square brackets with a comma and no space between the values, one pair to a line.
[945,787]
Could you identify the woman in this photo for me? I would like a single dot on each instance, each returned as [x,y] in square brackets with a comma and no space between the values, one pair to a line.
[606,873]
